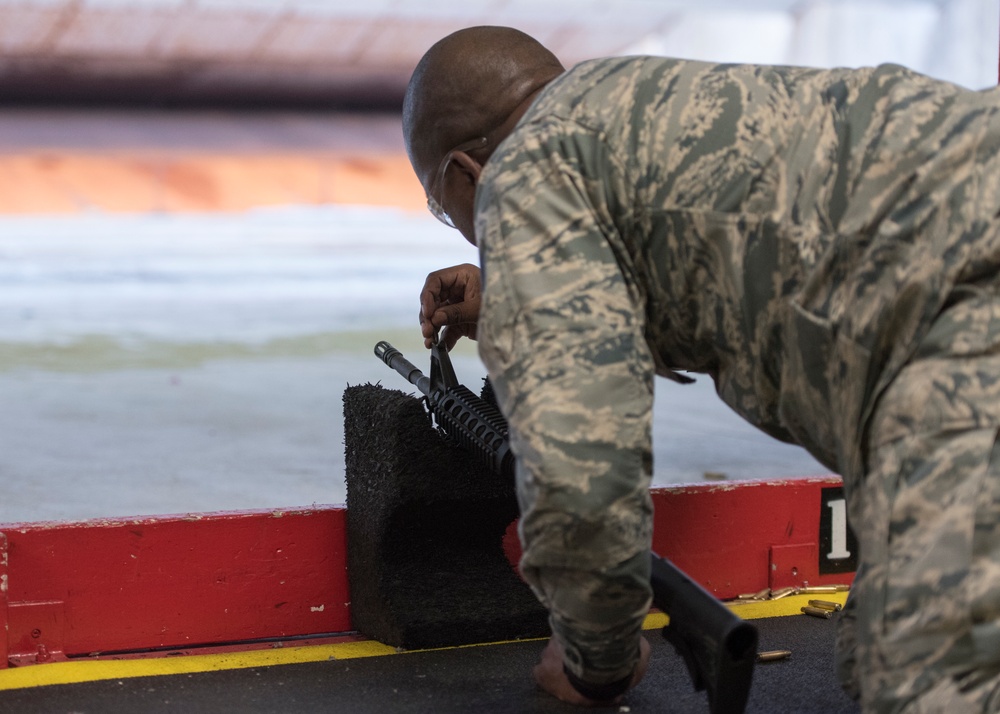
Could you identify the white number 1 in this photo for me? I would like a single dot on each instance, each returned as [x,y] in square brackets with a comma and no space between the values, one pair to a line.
[838,530]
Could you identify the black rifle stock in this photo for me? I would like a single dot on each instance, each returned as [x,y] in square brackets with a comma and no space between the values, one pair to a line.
[718,647]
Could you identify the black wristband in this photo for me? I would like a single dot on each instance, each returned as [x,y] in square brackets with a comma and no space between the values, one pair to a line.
[598,692]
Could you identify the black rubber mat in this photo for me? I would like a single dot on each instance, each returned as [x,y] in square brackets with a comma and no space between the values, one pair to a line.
[491,678]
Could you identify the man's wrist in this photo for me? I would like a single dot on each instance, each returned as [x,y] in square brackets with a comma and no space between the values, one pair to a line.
[599,692]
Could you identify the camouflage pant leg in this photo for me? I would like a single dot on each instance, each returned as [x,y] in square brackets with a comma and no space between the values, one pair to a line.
[927,513]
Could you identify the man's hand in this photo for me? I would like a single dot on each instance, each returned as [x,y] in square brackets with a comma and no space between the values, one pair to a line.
[551,677]
[451,297]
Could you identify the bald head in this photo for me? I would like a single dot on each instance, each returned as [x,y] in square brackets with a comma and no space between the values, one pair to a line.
[468,85]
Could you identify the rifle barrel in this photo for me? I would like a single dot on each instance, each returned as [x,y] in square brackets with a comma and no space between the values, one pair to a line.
[395,359]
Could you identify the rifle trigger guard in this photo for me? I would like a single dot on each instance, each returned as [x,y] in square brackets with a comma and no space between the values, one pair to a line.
[429,408]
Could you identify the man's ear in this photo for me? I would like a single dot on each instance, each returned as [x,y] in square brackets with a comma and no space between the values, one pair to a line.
[468,166]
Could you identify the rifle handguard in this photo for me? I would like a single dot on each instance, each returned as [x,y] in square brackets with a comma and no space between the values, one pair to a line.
[467,420]
[476,426]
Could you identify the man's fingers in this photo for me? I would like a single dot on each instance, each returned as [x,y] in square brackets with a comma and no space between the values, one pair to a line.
[450,285]
[456,314]
[551,677]
[427,330]
[430,300]
[456,332]
[451,297]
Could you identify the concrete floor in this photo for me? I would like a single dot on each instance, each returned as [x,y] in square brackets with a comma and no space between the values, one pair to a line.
[492,678]
[239,433]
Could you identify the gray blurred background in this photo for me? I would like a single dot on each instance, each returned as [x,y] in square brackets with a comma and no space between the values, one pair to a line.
[208,221]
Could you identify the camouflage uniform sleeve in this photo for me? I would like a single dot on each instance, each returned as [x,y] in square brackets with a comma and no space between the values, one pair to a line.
[561,335]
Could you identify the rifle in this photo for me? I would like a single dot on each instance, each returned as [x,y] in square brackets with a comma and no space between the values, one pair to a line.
[718,647]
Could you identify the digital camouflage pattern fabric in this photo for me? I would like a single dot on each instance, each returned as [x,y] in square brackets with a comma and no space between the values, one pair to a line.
[929,600]
[794,233]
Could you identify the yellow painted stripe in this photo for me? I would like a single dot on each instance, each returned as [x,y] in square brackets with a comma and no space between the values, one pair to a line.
[757,610]
[782,607]
[94,670]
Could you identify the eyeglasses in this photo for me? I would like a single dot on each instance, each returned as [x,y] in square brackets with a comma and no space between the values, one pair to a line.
[436,208]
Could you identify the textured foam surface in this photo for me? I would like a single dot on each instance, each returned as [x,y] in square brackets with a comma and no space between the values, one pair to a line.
[424,530]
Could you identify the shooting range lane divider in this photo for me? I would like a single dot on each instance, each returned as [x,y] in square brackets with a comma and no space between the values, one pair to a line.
[125,585]
[71,592]
[93,669]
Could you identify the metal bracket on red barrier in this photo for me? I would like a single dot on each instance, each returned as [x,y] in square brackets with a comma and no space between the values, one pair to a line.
[35,632]
[792,566]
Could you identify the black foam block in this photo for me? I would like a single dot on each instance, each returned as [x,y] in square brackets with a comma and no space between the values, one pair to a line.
[424,533]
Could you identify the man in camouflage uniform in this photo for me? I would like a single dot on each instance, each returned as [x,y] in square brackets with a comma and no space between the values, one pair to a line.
[824,244]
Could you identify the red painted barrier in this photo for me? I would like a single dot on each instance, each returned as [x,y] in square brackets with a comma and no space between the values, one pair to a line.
[744,536]
[174,582]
